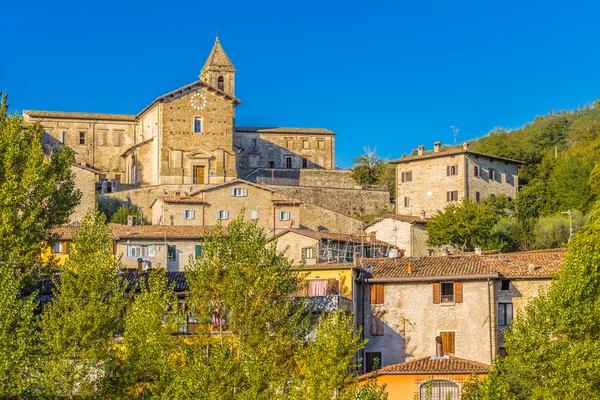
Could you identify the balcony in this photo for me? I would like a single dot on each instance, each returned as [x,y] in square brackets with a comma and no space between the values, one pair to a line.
[328,304]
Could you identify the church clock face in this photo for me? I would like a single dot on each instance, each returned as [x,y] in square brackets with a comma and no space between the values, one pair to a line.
[198,101]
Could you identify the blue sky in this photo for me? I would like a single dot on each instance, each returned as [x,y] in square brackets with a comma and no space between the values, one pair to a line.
[388,74]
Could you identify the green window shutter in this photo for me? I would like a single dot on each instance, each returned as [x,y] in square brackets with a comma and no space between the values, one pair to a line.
[198,251]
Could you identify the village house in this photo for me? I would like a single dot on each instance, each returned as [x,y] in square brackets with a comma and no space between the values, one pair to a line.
[404,232]
[428,181]
[468,301]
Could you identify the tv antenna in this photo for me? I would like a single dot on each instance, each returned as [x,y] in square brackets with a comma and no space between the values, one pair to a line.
[455,130]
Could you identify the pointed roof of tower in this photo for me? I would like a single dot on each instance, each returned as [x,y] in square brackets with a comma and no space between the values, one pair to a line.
[217,57]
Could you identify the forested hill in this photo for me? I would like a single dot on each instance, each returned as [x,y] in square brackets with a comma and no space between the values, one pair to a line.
[561,150]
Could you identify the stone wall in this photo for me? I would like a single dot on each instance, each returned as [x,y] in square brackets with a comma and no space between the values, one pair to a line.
[506,181]
[400,234]
[349,202]
[322,219]
[85,182]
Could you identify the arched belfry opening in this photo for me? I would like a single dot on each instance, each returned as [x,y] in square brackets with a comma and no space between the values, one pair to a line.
[221,83]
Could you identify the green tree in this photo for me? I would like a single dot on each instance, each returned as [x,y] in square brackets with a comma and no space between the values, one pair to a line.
[78,326]
[109,205]
[553,345]
[120,217]
[554,231]
[36,192]
[3,107]
[462,225]
[150,347]
[371,169]
[17,337]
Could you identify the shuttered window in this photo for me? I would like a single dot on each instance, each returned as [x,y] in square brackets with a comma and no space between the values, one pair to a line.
[452,196]
[376,293]
[451,170]
[458,292]
[307,253]
[406,176]
[406,201]
[476,171]
[198,251]
[239,192]
[372,361]
[493,174]
[448,345]
[505,314]
[447,292]
[222,214]
[171,252]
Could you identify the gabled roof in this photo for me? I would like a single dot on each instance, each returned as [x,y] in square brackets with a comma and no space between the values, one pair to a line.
[218,57]
[258,129]
[79,115]
[449,151]
[434,365]
[411,219]
[236,181]
[339,237]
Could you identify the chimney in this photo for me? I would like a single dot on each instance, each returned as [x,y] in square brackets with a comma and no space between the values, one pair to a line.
[410,268]
[139,266]
[177,195]
[420,150]
[465,146]
[444,251]
[436,147]
[423,214]
[130,220]
[531,267]
[438,347]
[478,250]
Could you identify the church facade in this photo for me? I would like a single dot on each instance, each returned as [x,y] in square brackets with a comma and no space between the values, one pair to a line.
[186,137]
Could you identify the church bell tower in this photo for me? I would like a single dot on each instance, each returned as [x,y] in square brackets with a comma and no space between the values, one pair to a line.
[218,71]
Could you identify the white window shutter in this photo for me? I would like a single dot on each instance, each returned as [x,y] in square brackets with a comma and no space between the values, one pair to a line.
[244,192]
[193,214]
[232,191]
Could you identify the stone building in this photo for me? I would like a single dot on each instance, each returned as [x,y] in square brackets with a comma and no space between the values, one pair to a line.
[429,181]
[405,232]
[187,136]
[468,301]
[85,181]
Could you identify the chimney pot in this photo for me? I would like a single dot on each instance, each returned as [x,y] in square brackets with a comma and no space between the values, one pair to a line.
[466,146]
[130,220]
[478,250]
[436,147]
[177,195]
[438,347]
[410,267]
[420,150]
[531,267]
[423,214]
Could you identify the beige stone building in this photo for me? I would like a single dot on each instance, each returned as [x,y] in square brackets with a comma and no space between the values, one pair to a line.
[85,181]
[468,301]
[429,181]
[405,232]
[186,137]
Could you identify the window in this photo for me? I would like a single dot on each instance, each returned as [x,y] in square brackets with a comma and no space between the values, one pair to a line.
[171,252]
[189,214]
[254,143]
[239,192]
[254,214]
[288,162]
[452,196]
[118,138]
[505,284]
[320,144]
[307,253]
[58,247]
[407,176]
[222,214]
[270,164]
[492,174]
[304,162]
[220,83]
[284,215]
[63,137]
[447,292]
[505,314]
[372,361]
[305,144]
[139,251]
[452,170]
[477,197]
[376,293]
[289,143]
[406,201]
[448,340]
[198,251]
[477,171]
[439,389]
[102,138]
[197,124]
[81,137]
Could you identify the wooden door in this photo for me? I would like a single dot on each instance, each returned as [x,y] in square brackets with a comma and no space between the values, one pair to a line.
[199,175]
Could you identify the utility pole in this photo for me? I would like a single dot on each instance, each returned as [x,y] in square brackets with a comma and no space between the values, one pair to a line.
[568,212]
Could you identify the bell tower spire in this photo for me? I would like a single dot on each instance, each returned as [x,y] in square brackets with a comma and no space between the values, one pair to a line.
[218,71]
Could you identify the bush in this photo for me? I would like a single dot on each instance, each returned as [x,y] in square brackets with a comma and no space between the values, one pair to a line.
[120,217]
[553,231]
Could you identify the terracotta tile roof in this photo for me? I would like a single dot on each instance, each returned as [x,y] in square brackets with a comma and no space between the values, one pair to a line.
[332,236]
[87,168]
[159,231]
[182,200]
[286,202]
[264,129]
[436,365]
[528,264]
[67,232]
[449,151]
[403,218]
[78,115]
[233,182]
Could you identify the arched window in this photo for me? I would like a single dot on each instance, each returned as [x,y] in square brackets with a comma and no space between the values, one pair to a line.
[439,389]
[220,83]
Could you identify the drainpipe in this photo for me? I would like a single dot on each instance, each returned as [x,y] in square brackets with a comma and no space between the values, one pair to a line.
[490,321]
